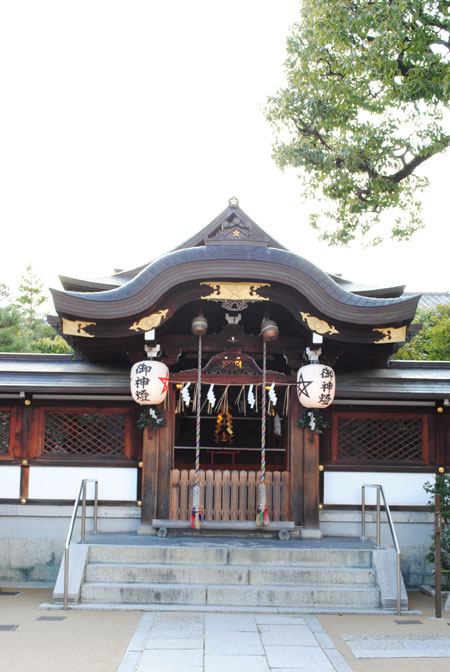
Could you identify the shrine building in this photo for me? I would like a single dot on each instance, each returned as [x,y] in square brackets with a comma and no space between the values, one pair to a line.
[65,418]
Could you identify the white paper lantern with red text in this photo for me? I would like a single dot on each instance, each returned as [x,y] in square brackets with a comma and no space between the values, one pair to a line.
[316,385]
[149,382]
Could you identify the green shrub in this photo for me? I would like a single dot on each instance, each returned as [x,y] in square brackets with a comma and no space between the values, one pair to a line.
[441,487]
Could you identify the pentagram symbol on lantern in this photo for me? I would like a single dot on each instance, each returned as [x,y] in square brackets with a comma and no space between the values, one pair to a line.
[303,385]
[165,382]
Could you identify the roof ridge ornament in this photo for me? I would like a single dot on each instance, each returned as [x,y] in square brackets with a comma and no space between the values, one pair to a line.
[237,228]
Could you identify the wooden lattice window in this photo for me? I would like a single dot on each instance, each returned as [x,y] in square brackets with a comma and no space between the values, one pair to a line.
[86,433]
[5,432]
[379,438]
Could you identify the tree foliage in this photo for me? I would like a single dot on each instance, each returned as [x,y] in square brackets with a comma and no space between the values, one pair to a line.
[368,85]
[23,325]
[433,340]
[11,336]
[29,301]
[441,487]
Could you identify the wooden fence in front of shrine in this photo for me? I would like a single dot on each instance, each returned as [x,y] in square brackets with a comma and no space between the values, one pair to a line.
[229,495]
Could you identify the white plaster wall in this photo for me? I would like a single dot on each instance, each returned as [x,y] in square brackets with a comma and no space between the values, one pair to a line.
[344,487]
[9,482]
[114,484]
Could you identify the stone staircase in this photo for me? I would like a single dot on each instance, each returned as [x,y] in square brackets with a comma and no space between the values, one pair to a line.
[224,577]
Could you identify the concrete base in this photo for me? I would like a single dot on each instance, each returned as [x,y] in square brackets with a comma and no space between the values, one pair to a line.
[32,537]
[224,574]
[447,604]
[78,557]
[414,530]
[146,529]
[385,563]
[111,606]
[312,533]
[429,590]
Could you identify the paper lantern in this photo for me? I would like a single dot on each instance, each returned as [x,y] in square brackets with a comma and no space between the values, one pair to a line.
[149,382]
[316,385]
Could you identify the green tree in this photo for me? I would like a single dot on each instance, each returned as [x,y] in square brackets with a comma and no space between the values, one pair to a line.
[23,324]
[441,486]
[368,83]
[11,336]
[54,344]
[433,340]
[4,292]
[30,301]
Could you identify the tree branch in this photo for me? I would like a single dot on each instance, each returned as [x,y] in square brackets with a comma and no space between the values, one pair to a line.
[408,168]
[312,132]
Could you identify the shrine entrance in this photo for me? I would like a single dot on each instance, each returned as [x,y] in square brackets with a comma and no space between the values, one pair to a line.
[233,358]
[229,473]
[230,454]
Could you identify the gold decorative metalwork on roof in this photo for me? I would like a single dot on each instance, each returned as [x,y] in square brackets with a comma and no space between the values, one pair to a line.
[149,321]
[76,328]
[318,325]
[392,335]
[235,291]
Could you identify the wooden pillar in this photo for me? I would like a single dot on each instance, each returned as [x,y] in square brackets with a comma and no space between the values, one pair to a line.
[296,440]
[165,448]
[24,481]
[150,454]
[157,449]
[311,482]
[304,467]
[440,421]
[26,448]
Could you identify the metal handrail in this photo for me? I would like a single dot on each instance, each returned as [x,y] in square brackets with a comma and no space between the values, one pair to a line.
[81,496]
[391,526]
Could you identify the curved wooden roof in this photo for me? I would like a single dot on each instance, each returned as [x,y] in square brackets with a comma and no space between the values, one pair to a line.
[234,262]
[123,277]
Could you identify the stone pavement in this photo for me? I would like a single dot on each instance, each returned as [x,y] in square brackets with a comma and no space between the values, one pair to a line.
[399,646]
[190,642]
[43,640]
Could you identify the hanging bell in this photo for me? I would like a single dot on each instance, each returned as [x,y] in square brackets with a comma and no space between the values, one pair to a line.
[269,330]
[199,325]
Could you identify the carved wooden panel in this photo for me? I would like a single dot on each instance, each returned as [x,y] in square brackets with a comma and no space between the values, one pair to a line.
[10,433]
[5,429]
[379,438]
[85,433]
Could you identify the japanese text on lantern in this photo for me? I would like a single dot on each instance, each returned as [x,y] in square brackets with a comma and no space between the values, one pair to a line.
[141,381]
[327,387]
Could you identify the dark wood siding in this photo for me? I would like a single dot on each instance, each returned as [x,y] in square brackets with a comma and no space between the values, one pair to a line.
[384,439]
[10,432]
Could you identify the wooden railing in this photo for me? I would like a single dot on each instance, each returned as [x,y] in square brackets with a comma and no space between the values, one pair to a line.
[229,495]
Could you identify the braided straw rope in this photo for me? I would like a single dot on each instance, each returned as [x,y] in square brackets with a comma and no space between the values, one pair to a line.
[262,516]
[196,510]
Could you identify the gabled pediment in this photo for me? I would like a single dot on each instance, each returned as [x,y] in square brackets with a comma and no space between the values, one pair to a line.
[232,226]
[235,230]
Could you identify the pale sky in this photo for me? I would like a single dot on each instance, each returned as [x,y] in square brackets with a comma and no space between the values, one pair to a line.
[125,127]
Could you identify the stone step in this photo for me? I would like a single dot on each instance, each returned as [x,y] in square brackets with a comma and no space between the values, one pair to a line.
[293,596]
[311,576]
[223,555]
[170,555]
[161,574]
[226,574]
[223,596]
